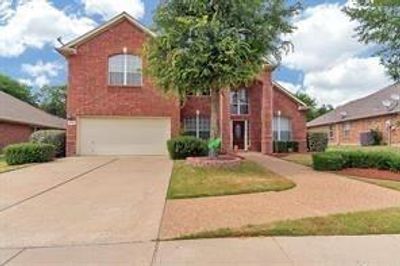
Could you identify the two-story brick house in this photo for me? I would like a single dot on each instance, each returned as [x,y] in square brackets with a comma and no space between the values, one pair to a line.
[114,107]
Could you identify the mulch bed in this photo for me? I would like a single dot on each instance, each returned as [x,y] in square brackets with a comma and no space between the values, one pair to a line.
[371,173]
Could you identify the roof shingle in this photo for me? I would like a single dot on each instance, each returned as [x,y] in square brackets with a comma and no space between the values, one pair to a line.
[14,110]
[369,106]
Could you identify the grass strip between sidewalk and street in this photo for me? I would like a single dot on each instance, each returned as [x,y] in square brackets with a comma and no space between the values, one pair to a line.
[384,221]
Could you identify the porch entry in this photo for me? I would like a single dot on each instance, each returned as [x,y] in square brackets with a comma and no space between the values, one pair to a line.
[240,136]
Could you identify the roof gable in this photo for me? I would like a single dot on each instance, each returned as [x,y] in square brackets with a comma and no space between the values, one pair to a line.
[289,94]
[68,47]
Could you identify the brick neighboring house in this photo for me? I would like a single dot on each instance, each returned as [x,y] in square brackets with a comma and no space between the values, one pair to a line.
[380,110]
[113,108]
[18,120]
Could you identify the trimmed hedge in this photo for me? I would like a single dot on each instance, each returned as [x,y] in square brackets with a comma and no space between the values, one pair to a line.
[317,142]
[29,153]
[327,161]
[53,137]
[184,146]
[382,160]
[285,146]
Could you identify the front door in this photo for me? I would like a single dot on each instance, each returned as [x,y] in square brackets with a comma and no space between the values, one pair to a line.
[238,134]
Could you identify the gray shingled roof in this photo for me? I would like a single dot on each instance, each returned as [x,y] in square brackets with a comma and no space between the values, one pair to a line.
[14,110]
[369,106]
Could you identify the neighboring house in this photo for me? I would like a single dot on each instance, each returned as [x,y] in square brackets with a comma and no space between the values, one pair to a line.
[18,120]
[114,108]
[379,110]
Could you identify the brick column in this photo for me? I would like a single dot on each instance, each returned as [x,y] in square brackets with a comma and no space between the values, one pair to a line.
[266,113]
[71,140]
[225,121]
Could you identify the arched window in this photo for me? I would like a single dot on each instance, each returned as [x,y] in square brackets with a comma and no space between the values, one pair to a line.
[125,70]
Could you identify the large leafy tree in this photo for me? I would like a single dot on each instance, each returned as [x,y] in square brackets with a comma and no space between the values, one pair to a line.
[314,110]
[208,45]
[52,99]
[380,24]
[16,89]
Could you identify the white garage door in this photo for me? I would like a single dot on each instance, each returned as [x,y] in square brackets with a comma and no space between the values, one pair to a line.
[123,136]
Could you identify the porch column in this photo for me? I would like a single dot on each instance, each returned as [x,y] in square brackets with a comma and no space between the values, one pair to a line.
[266,113]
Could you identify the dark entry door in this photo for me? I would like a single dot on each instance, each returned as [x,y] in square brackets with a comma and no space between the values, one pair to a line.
[238,134]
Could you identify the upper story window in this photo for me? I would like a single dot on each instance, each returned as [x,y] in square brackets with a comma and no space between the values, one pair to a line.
[125,70]
[239,102]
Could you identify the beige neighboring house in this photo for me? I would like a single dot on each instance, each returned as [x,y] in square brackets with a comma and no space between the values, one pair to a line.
[18,120]
[380,110]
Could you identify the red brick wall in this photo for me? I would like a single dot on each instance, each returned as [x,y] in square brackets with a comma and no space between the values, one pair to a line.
[359,126]
[11,133]
[290,108]
[274,100]
[88,90]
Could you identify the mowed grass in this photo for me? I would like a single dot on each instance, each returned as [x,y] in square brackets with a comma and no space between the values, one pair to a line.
[382,183]
[300,158]
[385,221]
[249,177]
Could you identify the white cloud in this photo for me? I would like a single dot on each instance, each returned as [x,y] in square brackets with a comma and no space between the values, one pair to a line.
[40,73]
[352,79]
[324,37]
[335,67]
[109,8]
[35,23]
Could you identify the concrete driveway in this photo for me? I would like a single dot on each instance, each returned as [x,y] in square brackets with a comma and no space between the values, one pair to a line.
[91,203]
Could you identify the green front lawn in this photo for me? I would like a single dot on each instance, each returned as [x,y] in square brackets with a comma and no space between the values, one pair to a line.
[384,221]
[299,158]
[191,182]
[382,183]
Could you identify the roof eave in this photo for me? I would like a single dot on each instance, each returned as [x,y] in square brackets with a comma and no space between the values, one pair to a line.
[70,47]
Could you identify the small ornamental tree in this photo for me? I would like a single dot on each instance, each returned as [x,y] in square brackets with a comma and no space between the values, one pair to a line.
[204,46]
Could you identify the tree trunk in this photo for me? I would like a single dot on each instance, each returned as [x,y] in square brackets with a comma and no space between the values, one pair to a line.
[214,130]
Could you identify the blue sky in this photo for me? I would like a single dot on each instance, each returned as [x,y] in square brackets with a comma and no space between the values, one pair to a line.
[327,61]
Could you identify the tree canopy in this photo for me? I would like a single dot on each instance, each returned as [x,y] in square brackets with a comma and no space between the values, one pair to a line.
[52,99]
[16,89]
[208,45]
[380,24]
[314,110]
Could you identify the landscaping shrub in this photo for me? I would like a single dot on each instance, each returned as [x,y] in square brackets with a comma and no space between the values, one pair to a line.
[317,142]
[285,146]
[280,147]
[381,160]
[328,161]
[53,137]
[185,146]
[29,153]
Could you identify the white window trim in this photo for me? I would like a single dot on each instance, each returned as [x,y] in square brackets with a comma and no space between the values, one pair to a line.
[125,73]
[240,104]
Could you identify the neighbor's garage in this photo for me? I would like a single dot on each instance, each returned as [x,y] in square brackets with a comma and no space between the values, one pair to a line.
[123,136]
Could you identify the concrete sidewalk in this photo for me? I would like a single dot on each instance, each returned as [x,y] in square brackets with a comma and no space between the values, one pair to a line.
[340,250]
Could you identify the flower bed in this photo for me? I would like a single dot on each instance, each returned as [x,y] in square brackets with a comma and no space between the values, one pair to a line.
[220,161]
